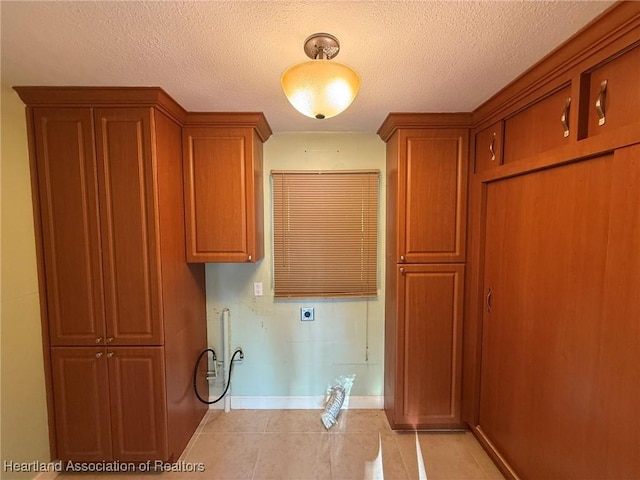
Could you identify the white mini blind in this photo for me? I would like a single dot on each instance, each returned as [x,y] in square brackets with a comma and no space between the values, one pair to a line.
[325,233]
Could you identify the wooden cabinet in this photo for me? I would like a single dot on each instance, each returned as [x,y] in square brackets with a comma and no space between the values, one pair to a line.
[138,402]
[431,195]
[488,147]
[81,401]
[223,190]
[110,403]
[560,343]
[551,335]
[129,224]
[429,331]
[99,222]
[66,178]
[123,313]
[542,126]
[613,92]
[424,288]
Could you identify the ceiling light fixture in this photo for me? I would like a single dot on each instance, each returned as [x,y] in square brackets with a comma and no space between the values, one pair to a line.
[320,88]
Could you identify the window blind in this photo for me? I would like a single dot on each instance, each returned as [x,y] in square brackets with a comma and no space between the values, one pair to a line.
[325,233]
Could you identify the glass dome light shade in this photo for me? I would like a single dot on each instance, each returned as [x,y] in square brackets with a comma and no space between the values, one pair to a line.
[320,88]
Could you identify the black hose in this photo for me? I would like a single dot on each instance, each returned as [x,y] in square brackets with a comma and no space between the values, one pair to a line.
[195,374]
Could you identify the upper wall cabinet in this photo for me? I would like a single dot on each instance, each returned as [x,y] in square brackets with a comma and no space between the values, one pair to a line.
[489,147]
[97,204]
[613,89]
[539,127]
[431,167]
[222,156]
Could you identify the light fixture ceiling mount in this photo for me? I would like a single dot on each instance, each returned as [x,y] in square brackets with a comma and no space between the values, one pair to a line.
[320,88]
[321,45]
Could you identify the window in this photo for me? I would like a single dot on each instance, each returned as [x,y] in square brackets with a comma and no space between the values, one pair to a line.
[325,233]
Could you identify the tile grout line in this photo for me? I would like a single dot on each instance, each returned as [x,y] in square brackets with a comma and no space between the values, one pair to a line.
[262,440]
[404,462]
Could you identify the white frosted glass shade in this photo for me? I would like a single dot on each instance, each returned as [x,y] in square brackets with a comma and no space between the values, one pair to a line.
[320,88]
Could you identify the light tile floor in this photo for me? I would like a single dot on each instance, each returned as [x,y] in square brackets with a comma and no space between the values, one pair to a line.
[294,445]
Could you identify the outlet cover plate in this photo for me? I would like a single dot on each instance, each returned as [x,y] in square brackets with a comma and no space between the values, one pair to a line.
[306,314]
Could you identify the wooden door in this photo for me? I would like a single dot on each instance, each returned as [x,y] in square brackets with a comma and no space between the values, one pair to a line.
[433,195]
[221,195]
[128,207]
[430,299]
[560,383]
[81,400]
[68,200]
[138,403]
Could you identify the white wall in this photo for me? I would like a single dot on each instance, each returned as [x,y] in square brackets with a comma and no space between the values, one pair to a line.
[25,435]
[284,356]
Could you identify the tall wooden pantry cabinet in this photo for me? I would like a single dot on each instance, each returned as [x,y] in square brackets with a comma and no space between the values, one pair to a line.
[427,157]
[123,313]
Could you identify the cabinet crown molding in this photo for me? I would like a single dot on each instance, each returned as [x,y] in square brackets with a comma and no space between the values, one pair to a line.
[51,96]
[48,96]
[394,121]
[255,120]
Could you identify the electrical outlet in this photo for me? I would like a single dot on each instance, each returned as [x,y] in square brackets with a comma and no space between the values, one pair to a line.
[257,289]
[306,314]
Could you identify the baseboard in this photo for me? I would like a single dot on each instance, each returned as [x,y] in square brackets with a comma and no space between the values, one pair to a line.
[298,403]
[495,455]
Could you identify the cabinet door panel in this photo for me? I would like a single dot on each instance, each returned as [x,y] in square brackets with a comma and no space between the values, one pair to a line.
[561,345]
[621,98]
[430,327]
[126,170]
[68,193]
[433,175]
[538,127]
[220,194]
[81,402]
[138,403]
[488,151]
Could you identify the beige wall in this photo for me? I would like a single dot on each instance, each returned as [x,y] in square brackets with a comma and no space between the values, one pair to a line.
[24,430]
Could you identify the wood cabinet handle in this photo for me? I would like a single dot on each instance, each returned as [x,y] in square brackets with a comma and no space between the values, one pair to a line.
[402,259]
[109,339]
[565,117]
[98,355]
[402,270]
[489,293]
[99,340]
[492,147]
[600,106]
[110,354]
[249,258]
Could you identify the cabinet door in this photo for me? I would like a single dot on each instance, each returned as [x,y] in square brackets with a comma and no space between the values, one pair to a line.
[433,195]
[614,93]
[138,403]
[539,127]
[488,151]
[68,200]
[128,207]
[560,383]
[430,302]
[81,402]
[223,189]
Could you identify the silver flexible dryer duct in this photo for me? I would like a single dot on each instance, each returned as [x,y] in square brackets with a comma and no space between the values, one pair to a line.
[334,404]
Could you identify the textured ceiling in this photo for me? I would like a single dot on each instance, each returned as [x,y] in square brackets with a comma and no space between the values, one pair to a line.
[418,56]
